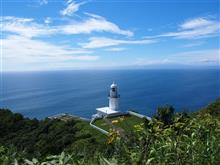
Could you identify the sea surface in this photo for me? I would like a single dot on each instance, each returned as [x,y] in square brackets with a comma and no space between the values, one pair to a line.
[42,94]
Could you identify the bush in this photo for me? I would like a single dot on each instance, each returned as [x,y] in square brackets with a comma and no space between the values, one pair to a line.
[167,139]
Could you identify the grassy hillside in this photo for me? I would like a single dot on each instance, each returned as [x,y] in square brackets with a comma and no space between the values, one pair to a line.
[170,138]
[49,136]
[125,122]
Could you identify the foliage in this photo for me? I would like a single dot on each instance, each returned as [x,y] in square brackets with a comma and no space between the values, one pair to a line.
[169,138]
[188,139]
[212,109]
[42,137]
[165,114]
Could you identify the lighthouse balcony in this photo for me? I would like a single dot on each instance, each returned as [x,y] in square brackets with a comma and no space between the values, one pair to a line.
[117,96]
[107,112]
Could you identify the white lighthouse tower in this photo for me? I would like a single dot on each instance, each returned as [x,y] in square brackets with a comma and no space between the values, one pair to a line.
[113,108]
[114,97]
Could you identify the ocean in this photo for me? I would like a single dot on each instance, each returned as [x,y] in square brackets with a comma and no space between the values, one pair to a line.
[42,94]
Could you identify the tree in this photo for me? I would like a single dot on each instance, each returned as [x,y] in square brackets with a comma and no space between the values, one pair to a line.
[165,114]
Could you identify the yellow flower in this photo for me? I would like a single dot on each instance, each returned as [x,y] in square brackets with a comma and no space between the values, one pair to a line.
[114,121]
[138,127]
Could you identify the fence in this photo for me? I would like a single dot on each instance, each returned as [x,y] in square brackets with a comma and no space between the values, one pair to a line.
[138,115]
[99,129]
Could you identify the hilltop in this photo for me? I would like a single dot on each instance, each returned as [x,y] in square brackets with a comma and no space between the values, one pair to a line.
[169,138]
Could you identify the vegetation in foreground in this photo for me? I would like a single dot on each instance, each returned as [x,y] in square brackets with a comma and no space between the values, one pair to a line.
[170,138]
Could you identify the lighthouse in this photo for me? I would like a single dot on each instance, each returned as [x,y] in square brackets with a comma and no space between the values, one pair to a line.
[114,97]
[113,108]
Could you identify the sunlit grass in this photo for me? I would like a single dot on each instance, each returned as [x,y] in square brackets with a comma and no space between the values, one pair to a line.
[126,122]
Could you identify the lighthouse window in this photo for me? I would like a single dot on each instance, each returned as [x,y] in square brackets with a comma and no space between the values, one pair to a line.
[113,89]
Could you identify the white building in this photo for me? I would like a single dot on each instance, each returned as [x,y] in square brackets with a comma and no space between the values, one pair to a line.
[113,108]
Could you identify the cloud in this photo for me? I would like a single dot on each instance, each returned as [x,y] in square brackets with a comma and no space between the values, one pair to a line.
[144,61]
[198,56]
[94,23]
[71,8]
[196,23]
[28,27]
[205,60]
[99,42]
[24,27]
[24,48]
[193,44]
[115,49]
[43,2]
[196,28]
[20,51]
[48,20]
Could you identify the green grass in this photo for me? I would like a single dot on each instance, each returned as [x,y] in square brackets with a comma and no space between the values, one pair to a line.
[125,122]
[87,129]
[102,124]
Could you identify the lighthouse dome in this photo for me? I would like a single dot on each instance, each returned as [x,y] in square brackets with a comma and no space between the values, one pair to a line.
[114,85]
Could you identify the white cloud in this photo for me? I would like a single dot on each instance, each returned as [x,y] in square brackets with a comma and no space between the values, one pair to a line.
[144,61]
[43,2]
[194,29]
[16,19]
[28,27]
[94,24]
[193,44]
[196,23]
[69,1]
[20,51]
[98,42]
[24,27]
[115,49]
[71,8]
[48,20]
[198,56]
[24,50]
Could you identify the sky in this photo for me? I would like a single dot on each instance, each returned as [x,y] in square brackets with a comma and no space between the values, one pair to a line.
[98,34]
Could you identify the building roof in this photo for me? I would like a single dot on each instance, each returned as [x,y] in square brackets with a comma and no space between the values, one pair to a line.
[106,110]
